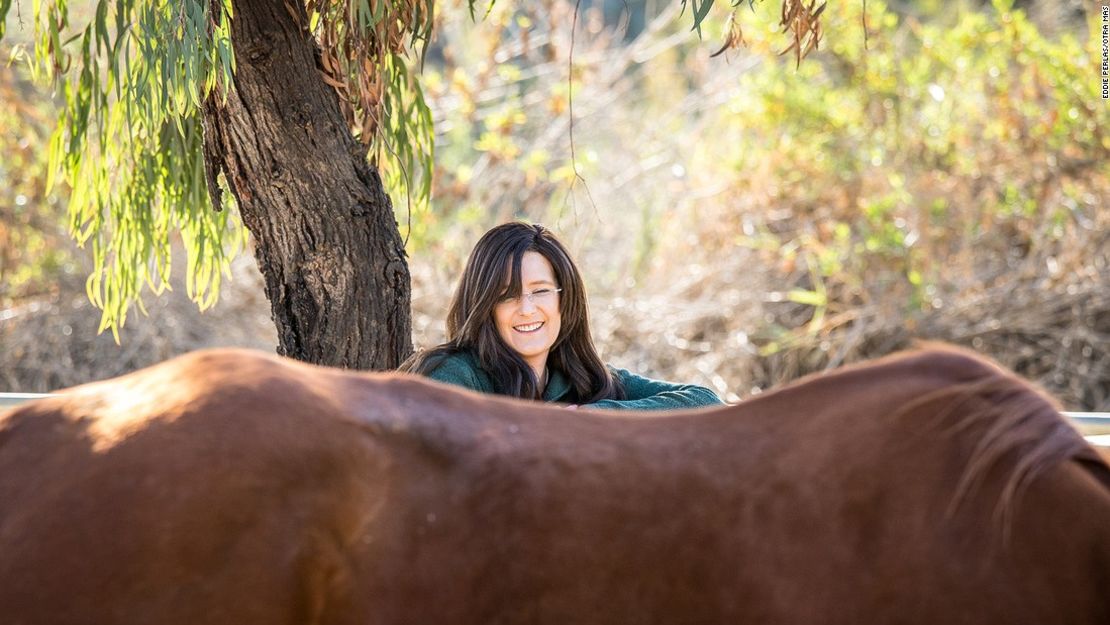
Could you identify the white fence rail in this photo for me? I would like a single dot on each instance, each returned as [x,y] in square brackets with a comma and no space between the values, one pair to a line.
[11,399]
[1094,425]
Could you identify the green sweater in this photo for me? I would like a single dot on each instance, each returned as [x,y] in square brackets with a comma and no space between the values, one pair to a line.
[462,369]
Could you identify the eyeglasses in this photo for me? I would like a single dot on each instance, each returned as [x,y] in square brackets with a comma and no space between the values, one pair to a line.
[538,297]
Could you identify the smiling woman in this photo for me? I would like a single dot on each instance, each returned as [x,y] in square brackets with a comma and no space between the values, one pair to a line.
[518,325]
[529,323]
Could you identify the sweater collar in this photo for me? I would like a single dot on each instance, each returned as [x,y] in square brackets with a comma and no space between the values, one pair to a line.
[557,385]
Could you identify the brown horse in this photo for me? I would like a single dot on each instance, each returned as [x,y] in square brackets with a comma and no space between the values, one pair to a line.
[228,487]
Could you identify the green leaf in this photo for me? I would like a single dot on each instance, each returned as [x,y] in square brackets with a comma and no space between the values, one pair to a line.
[808,298]
[5,5]
[700,13]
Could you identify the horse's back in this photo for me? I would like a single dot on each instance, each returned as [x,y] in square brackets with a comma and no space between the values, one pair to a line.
[228,487]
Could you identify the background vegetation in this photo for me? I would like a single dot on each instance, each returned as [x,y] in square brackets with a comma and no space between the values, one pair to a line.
[741,219]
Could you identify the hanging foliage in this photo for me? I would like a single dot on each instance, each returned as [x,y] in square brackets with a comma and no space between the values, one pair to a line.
[128,139]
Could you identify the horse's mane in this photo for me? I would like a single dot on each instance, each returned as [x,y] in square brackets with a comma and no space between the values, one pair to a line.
[1011,426]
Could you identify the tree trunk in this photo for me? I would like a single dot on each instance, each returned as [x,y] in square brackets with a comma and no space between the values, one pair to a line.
[326,240]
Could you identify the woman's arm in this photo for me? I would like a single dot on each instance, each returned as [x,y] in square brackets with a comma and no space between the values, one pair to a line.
[646,394]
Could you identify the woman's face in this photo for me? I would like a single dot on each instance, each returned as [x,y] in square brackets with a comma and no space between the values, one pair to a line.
[530,325]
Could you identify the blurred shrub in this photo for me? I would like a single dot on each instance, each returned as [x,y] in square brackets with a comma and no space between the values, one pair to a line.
[941,159]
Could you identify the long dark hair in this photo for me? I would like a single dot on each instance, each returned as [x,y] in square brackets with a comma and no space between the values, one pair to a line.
[470,323]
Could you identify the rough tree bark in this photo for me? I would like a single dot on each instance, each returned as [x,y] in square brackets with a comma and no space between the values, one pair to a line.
[326,240]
